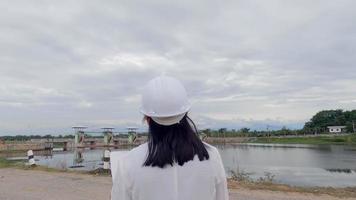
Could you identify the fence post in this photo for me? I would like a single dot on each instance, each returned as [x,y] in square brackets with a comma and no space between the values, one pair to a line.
[31,159]
[106,160]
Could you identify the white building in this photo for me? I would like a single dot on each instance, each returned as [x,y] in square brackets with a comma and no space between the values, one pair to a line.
[336,129]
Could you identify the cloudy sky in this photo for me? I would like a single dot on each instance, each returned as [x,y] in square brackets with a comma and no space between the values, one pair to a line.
[244,63]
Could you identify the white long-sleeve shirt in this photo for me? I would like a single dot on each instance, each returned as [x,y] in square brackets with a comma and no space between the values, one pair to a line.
[195,180]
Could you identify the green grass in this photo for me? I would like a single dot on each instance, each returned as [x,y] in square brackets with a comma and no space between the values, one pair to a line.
[7,163]
[4,163]
[347,192]
[240,178]
[349,140]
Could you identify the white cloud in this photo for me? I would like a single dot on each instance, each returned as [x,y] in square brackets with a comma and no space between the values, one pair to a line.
[244,63]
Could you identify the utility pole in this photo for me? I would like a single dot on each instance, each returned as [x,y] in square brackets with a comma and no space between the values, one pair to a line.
[268,135]
[224,137]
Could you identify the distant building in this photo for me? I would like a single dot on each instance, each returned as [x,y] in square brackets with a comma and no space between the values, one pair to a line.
[336,129]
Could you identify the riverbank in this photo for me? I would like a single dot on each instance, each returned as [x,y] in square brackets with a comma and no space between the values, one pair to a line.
[38,185]
[329,139]
[18,167]
[345,139]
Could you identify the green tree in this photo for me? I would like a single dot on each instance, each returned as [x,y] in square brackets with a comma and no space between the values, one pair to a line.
[222,130]
[244,130]
[320,121]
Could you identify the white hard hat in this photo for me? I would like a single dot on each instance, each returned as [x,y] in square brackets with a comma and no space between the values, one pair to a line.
[165,100]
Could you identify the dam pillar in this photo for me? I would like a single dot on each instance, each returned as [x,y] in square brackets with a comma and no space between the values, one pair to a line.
[108,136]
[79,136]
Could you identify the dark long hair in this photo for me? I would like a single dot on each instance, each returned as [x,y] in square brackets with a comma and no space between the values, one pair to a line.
[175,143]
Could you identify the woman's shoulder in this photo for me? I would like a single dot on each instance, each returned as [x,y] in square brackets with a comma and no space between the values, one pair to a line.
[210,148]
[137,154]
[142,148]
[215,160]
[213,151]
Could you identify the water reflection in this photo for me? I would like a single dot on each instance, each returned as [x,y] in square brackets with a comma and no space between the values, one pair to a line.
[301,165]
[78,158]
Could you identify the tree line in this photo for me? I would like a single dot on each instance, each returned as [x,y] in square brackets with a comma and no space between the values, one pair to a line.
[321,120]
[316,125]
[29,137]
[67,136]
[246,132]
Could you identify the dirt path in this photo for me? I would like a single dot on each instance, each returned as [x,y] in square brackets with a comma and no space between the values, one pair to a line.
[18,184]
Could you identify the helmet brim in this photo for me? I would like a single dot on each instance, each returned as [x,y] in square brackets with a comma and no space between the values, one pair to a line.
[153,114]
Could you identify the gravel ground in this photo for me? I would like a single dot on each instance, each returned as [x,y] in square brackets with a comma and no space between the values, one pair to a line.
[18,184]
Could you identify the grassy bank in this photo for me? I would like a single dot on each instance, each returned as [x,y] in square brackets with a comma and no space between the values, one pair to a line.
[242,181]
[348,192]
[4,163]
[20,164]
[267,182]
[7,163]
[345,139]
